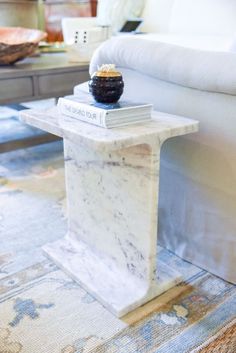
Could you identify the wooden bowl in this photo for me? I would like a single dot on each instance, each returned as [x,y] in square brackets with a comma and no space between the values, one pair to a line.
[16,43]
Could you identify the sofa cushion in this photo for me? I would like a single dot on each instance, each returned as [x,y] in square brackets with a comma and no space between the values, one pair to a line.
[202,42]
[156,15]
[211,17]
[232,46]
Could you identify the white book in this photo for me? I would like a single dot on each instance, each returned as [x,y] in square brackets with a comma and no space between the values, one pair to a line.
[105,115]
[122,122]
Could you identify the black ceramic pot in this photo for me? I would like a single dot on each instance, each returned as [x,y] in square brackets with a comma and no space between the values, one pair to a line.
[106,87]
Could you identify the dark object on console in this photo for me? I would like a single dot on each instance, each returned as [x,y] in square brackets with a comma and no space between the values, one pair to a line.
[131,25]
[106,86]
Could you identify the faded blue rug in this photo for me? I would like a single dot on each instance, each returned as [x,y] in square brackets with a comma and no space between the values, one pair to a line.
[11,128]
[43,311]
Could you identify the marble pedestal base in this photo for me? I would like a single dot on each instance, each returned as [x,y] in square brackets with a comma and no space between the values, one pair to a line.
[115,292]
[111,244]
[112,185]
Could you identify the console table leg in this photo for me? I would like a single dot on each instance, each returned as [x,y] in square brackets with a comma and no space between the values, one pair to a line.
[111,244]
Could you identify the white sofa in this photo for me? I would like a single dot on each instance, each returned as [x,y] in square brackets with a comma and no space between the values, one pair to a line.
[189,71]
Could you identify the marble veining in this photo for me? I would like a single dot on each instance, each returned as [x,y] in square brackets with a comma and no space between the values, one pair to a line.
[112,183]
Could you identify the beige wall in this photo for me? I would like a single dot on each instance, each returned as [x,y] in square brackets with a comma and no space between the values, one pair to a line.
[19,13]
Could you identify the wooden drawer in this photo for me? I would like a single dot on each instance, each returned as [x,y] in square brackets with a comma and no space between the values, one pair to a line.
[61,82]
[16,88]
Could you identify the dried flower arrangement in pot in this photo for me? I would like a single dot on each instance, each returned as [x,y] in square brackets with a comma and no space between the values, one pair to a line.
[106,84]
[16,43]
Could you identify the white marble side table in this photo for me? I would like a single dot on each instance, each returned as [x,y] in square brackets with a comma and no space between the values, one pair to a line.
[112,182]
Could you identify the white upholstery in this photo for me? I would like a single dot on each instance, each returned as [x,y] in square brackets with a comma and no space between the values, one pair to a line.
[199,69]
[202,42]
[157,15]
[203,17]
[232,46]
[208,17]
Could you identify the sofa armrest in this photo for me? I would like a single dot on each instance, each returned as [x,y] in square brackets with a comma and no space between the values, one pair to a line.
[199,69]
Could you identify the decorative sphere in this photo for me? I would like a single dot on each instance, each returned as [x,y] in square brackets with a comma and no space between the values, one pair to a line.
[106,85]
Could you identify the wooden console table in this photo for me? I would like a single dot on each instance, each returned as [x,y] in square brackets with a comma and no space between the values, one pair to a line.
[112,182]
[46,76]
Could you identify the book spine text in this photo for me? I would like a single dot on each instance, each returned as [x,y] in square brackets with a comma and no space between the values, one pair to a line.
[81,112]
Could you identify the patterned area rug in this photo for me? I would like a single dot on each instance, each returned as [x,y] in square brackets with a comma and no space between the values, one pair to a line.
[43,311]
[13,129]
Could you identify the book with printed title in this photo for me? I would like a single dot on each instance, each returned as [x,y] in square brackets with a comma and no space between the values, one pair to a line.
[104,115]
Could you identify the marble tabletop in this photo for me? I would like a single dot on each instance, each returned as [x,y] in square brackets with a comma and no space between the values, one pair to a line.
[161,127]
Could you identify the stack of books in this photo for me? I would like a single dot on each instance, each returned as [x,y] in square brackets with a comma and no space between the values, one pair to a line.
[104,115]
